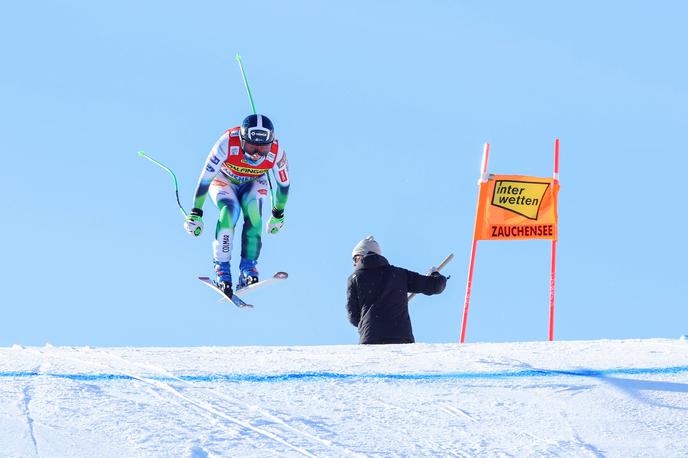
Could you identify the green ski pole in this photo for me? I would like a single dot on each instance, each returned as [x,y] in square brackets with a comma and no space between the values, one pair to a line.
[174,177]
[253,107]
[248,89]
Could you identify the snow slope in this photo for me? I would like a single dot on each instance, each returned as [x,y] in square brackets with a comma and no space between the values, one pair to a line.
[596,398]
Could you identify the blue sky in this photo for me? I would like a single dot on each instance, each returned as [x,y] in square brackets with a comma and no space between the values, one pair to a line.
[383,108]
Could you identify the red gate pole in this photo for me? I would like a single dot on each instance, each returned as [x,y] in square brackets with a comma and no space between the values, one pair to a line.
[552,276]
[469,283]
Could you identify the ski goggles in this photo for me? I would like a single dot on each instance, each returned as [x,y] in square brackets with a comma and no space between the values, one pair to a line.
[250,148]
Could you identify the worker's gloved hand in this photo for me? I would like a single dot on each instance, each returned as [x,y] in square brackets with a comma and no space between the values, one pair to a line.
[194,222]
[436,273]
[276,221]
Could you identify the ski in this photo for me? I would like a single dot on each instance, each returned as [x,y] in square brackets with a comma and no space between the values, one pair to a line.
[253,286]
[234,299]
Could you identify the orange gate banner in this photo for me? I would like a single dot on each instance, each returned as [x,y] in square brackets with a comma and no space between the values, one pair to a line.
[516,207]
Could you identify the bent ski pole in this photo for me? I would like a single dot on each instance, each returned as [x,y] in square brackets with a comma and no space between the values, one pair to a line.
[174,177]
[440,267]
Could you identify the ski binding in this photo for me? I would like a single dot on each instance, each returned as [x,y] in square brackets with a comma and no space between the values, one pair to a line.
[234,299]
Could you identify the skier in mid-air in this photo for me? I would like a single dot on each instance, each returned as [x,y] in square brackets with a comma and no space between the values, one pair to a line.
[238,174]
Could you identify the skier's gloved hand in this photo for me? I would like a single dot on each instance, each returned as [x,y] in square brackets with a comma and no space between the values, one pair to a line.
[276,221]
[194,222]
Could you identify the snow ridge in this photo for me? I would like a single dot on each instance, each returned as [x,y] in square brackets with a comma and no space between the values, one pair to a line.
[577,399]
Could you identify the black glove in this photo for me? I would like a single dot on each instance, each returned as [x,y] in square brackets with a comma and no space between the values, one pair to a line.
[436,273]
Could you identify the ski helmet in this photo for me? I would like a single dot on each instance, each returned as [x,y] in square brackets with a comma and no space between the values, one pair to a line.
[257,130]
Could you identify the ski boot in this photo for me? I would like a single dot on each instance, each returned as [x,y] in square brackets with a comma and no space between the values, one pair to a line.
[223,278]
[248,274]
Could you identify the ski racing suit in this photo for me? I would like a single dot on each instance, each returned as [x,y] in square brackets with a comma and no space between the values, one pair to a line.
[236,184]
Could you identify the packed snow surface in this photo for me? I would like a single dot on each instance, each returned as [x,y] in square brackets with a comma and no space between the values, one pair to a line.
[578,399]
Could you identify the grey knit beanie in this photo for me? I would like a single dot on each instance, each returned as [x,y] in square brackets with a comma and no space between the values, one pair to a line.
[365,246]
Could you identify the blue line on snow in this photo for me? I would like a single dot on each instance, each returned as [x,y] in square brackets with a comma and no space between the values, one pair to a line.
[344,376]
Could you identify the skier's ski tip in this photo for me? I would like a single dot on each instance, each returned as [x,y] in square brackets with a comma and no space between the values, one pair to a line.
[253,286]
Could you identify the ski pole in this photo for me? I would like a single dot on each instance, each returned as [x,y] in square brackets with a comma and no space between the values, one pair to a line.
[253,107]
[440,267]
[248,89]
[174,177]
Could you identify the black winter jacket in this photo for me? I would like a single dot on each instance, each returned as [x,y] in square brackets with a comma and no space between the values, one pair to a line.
[377,299]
